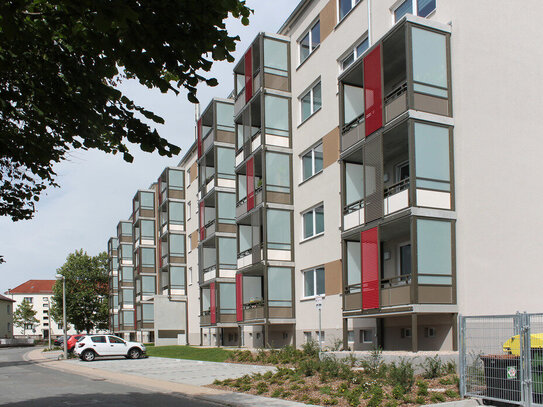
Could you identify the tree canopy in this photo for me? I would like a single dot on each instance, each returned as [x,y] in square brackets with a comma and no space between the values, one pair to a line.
[86,291]
[60,63]
[24,315]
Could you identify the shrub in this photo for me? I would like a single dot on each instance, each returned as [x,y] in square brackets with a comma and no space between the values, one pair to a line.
[277,393]
[245,387]
[308,367]
[398,391]
[437,398]
[452,394]
[295,387]
[391,403]
[351,360]
[326,390]
[375,359]
[433,367]
[377,395]
[450,367]
[401,375]
[420,400]
[330,402]
[267,375]
[311,349]
[286,394]
[446,381]
[407,399]
[217,382]
[261,388]
[337,344]
[423,388]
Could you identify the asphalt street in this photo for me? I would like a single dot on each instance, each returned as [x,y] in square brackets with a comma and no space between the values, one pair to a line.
[26,383]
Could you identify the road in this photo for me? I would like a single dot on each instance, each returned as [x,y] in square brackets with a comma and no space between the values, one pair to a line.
[25,384]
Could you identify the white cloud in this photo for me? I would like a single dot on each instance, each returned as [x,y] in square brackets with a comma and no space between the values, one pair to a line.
[97,189]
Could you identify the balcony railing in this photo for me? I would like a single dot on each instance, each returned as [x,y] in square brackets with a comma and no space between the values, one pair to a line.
[397,187]
[396,102]
[404,279]
[353,207]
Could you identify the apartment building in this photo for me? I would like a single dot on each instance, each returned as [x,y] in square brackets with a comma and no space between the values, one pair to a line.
[366,138]
[39,294]
[6,317]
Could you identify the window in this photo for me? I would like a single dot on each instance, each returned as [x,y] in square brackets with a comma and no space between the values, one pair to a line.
[355,53]
[402,171]
[313,221]
[98,339]
[114,339]
[277,172]
[148,285]
[148,312]
[405,260]
[28,299]
[45,299]
[279,287]
[190,275]
[310,41]
[429,332]
[312,162]
[147,257]
[177,277]
[321,336]
[278,229]
[126,229]
[311,102]
[405,333]
[366,336]
[189,210]
[345,6]
[314,282]
[421,8]
[45,324]
[29,326]
[147,200]
[350,336]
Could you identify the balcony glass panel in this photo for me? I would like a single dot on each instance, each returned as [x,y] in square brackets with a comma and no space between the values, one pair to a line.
[240,82]
[432,157]
[278,172]
[126,251]
[227,253]
[128,296]
[114,263]
[210,257]
[353,103]
[115,283]
[176,179]
[354,265]
[128,318]
[177,245]
[242,187]
[225,162]
[127,274]
[147,257]
[148,229]
[227,296]
[279,287]
[148,312]
[226,207]
[245,238]
[177,277]
[148,285]
[126,229]
[177,212]
[434,252]
[278,229]
[354,183]
[147,200]
[225,117]
[275,57]
[276,115]
[430,62]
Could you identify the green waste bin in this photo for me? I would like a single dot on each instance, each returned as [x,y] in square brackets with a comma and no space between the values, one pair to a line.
[502,377]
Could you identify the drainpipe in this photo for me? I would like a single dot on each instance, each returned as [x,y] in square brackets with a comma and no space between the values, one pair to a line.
[370,40]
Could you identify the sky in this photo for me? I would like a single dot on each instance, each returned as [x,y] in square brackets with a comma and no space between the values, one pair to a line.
[96,189]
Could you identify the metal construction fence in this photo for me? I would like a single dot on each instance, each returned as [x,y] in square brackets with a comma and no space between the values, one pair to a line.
[501,358]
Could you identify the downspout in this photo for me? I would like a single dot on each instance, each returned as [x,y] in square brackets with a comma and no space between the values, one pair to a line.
[370,40]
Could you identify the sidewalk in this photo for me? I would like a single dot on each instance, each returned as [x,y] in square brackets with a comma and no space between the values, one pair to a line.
[166,375]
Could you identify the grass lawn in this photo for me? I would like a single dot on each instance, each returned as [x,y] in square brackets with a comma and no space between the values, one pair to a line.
[189,352]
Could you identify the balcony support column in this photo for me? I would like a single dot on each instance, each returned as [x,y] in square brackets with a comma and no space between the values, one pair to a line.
[266,333]
[346,334]
[414,333]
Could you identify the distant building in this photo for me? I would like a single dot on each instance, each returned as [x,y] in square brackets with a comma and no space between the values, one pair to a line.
[6,317]
[39,293]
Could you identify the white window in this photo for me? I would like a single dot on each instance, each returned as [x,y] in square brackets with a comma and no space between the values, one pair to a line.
[350,336]
[345,6]
[421,8]
[312,162]
[190,275]
[405,333]
[321,337]
[366,336]
[45,299]
[310,41]
[307,337]
[189,243]
[314,282]
[28,299]
[189,210]
[354,53]
[313,222]
[429,332]
[311,102]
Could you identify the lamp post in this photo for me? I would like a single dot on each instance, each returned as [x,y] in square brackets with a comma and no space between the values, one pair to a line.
[61,277]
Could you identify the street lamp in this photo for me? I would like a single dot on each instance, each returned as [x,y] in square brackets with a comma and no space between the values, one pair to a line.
[61,277]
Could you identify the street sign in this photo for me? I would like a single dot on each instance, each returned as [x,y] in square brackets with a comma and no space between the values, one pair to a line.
[318,301]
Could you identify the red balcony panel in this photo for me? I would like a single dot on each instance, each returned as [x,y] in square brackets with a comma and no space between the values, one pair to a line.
[239,297]
[369,241]
[373,91]
[250,184]
[213,306]
[248,75]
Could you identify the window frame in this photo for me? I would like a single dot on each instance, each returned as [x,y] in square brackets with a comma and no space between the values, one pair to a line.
[315,293]
[310,92]
[362,335]
[354,52]
[313,210]
[399,259]
[308,33]
[312,151]
[414,10]
[354,3]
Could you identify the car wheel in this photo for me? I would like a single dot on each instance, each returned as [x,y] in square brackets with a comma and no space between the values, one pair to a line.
[134,353]
[88,356]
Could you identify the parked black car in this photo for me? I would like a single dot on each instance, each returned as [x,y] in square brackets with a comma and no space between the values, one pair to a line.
[59,341]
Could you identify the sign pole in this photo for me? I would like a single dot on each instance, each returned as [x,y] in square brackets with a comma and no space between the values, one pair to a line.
[318,305]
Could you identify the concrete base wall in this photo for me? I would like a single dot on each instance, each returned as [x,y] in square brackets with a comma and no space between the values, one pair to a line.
[5,343]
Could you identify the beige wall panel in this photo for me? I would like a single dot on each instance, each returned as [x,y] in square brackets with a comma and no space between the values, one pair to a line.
[328,19]
[332,275]
[194,239]
[330,147]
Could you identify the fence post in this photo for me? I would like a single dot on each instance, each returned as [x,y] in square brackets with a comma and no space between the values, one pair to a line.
[526,357]
[519,330]
[462,356]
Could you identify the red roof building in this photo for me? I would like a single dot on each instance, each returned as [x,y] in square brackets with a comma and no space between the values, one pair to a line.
[34,287]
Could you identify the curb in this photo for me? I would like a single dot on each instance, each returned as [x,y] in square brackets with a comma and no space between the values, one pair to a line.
[458,403]
[217,397]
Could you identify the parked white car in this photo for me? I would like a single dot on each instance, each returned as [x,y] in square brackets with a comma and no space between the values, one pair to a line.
[93,346]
